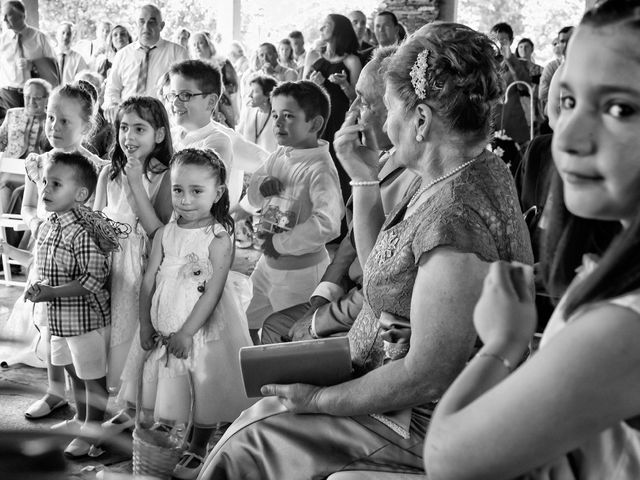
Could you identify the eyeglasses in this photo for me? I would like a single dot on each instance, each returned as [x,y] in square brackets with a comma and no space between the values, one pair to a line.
[184,97]
[37,99]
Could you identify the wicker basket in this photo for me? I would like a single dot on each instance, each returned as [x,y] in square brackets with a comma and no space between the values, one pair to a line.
[155,453]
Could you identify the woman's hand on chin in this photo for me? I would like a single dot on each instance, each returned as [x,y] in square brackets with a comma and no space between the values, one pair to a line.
[359,161]
[297,397]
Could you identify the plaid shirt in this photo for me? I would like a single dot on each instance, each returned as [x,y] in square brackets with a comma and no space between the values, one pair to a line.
[66,252]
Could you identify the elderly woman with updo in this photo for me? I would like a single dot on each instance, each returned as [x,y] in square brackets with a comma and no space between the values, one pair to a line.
[424,266]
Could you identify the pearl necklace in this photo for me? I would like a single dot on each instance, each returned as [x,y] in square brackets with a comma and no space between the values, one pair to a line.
[441,178]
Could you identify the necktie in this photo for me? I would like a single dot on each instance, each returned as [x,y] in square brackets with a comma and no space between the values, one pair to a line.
[141,86]
[63,57]
[20,51]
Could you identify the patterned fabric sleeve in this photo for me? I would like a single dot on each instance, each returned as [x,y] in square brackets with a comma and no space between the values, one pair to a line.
[93,264]
[458,227]
[33,167]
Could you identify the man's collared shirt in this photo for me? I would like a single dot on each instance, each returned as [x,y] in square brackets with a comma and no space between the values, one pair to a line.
[73,64]
[123,76]
[66,252]
[35,45]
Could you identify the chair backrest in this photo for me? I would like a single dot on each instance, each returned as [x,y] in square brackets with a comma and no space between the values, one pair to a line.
[12,165]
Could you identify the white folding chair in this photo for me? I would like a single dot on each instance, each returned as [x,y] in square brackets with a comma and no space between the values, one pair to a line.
[9,220]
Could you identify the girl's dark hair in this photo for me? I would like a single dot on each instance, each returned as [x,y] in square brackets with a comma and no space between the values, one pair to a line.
[344,40]
[618,272]
[209,159]
[151,110]
[83,97]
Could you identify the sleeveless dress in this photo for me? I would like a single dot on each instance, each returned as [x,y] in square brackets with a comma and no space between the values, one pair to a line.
[127,268]
[213,360]
[613,454]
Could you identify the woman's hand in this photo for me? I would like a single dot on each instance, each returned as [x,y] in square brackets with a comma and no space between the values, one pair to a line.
[297,397]
[339,79]
[505,313]
[359,161]
[317,78]
[179,344]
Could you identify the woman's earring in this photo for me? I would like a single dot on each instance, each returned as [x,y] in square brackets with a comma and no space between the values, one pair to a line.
[419,137]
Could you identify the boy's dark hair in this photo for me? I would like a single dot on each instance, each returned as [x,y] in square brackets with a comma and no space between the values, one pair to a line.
[313,99]
[296,34]
[206,75]
[266,82]
[84,171]
[503,27]
[389,14]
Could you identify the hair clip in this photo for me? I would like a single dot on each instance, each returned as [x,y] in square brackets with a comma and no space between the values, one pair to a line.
[418,74]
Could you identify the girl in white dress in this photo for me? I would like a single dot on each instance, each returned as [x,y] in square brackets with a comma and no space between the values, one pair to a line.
[134,190]
[572,411]
[191,310]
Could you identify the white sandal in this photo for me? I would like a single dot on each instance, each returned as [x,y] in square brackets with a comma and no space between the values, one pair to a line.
[183,471]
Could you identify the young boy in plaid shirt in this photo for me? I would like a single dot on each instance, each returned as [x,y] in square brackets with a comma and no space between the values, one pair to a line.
[73,270]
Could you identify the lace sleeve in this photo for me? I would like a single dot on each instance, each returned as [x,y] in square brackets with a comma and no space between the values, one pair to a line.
[457,227]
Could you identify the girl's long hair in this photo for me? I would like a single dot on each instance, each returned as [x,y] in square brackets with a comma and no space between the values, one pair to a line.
[343,40]
[209,159]
[151,110]
[568,236]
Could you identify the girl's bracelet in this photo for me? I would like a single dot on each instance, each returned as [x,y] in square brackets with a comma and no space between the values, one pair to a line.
[500,358]
[367,183]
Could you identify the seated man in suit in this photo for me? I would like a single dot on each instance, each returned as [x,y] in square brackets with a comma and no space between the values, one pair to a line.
[337,300]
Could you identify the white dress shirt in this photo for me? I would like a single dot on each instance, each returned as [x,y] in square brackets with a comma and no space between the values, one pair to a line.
[35,44]
[73,63]
[123,76]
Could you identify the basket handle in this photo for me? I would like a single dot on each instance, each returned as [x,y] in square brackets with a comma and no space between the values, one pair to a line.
[160,341]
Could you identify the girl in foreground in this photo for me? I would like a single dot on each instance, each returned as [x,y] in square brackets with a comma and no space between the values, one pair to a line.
[566,413]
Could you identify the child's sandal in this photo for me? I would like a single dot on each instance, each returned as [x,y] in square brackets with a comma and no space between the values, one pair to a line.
[186,472]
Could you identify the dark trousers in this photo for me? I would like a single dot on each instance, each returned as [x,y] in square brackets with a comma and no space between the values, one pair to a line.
[10,98]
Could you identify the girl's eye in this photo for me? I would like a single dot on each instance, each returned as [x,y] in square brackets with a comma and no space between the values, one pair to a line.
[140,130]
[197,192]
[567,102]
[620,110]
[176,190]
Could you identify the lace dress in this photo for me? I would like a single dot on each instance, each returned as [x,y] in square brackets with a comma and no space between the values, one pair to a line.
[476,212]
[127,269]
[213,360]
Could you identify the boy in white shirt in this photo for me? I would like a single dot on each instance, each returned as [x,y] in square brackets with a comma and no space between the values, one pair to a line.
[194,91]
[298,190]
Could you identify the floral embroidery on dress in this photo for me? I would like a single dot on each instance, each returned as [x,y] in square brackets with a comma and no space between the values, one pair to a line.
[388,247]
[196,270]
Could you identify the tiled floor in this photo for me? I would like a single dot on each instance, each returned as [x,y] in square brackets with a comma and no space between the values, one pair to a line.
[21,385]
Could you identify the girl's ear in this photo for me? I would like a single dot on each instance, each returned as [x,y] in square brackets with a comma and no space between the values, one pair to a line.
[160,134]
[220,189]
[423,119]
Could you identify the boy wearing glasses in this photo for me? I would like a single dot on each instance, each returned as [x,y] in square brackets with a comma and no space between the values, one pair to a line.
[194,91]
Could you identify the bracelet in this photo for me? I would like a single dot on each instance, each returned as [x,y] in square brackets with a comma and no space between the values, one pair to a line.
[500,358]
[368,183]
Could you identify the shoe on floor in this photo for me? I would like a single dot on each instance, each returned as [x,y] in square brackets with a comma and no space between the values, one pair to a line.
[189,466]
[72,426]
[77,448]
[119,423]
[40,408]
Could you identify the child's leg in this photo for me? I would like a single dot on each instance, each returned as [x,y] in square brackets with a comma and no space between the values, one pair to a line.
[79,393]
[55,396]
[97,397]
[260,307]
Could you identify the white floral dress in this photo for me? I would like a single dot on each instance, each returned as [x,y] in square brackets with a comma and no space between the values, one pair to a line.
[127,268]
[213,360]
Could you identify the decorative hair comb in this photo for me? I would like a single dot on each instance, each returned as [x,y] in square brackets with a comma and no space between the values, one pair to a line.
[418,74]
